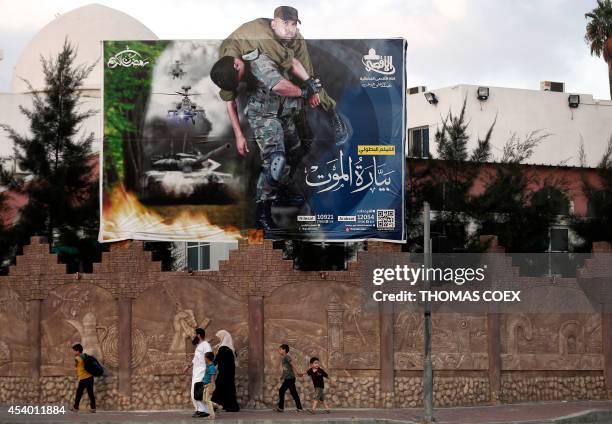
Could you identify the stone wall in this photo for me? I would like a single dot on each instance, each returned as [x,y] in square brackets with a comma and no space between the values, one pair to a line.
[517,387]
[18,390]
[60,390]
[139,320]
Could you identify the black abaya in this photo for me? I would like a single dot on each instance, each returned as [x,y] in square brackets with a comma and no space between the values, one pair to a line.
[225,386]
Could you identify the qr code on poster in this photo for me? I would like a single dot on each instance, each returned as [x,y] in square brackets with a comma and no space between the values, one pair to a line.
[385,219]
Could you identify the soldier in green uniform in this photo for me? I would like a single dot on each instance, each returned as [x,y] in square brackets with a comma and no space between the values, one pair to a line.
[280,40]
[274,102]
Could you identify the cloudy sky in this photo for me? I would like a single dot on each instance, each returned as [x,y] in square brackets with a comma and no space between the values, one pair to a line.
[490,42]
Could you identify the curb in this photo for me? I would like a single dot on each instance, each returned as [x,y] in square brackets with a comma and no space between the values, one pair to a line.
[587,417]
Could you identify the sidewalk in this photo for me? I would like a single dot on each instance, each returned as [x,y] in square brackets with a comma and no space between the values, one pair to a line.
[588,412]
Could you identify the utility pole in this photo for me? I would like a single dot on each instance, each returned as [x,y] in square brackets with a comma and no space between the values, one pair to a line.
[427,364]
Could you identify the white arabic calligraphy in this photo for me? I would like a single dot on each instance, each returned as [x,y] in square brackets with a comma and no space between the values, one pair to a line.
[379,64]
[375,178]
[127,58]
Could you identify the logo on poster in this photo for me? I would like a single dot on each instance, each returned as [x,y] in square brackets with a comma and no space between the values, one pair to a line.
[377,63]
[127,58]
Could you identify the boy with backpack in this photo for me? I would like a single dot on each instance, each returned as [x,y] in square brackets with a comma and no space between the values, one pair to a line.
[85,378]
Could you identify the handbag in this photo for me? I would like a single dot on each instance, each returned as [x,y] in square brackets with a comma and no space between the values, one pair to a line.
[198,390]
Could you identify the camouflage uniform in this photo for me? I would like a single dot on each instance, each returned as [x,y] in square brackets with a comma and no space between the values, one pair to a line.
[258,35]
[272,119]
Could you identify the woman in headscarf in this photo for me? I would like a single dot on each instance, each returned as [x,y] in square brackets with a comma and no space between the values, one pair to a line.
[225,386]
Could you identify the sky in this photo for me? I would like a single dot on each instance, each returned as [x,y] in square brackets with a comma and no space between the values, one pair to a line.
[484,42]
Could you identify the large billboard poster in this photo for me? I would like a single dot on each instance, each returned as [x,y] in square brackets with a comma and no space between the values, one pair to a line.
[203,141]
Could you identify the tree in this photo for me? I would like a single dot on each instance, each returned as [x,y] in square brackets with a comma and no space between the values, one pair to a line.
[5,245]
[597,225]
[447,182]
[599,34]
[62,190]
[126,94]
[518,204]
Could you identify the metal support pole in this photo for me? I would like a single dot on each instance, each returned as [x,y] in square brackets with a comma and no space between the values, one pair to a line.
[427,364]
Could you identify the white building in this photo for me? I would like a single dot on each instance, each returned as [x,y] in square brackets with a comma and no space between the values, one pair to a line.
[85,27]
[569,118]
[519,112]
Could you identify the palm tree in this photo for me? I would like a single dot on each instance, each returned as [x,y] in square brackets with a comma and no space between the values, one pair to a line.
[599,33]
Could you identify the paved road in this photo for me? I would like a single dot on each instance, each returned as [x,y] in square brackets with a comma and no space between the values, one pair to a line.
[590,412]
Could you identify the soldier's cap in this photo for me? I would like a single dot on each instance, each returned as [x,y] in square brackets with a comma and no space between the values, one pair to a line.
[287,13]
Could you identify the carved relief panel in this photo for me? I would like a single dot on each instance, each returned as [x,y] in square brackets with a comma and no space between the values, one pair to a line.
[459,341]
[552,342]
[167,314]
[14,334]
[78,313]
[322,319]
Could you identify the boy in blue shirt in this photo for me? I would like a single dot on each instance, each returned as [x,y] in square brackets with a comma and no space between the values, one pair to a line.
[209,382]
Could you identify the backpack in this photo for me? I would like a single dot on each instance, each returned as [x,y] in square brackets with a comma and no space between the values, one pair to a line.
[92,365]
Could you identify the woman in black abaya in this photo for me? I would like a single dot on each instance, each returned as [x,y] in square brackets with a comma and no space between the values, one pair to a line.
[225,387]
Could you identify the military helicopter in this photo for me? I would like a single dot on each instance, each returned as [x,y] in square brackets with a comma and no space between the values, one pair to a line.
[185,110]
[177,71]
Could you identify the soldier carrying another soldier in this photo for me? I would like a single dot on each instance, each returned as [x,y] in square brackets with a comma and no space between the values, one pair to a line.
[273,104]
[280,40]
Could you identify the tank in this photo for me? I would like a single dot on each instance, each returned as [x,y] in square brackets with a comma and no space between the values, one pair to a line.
[189,178]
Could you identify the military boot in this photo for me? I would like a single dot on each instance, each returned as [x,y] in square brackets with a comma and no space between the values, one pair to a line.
[287,197]
[264,216]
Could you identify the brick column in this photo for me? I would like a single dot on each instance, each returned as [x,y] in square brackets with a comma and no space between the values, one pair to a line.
[34,338]
[125,346]
[494,354]
[606,329]
[256,348]
[386,318]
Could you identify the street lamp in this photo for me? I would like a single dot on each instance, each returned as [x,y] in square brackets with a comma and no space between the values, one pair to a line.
[431,98]
[483,93]
[573,100]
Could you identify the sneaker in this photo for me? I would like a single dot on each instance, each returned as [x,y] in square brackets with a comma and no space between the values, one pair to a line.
[73,409]
[93,411]
[310,411]
[299,410]
[341,127]
[327,411]
[277,409]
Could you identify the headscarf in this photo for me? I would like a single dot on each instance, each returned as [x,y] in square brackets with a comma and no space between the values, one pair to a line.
[226,340]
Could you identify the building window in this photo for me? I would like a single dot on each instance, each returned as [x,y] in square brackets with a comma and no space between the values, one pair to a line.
[418,140]
[198,256]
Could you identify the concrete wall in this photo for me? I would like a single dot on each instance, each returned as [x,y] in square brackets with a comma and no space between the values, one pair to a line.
[522,111]
[138,320]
